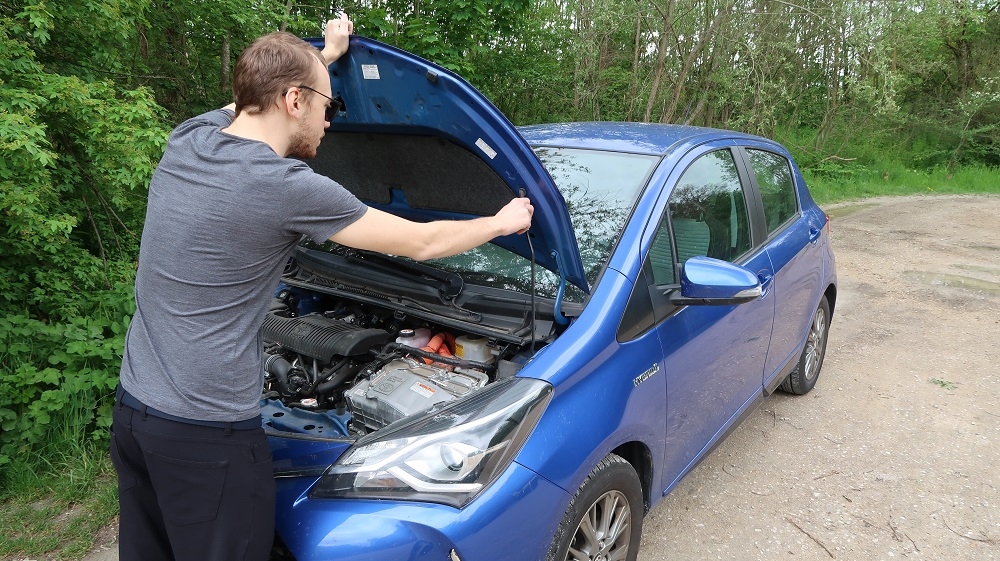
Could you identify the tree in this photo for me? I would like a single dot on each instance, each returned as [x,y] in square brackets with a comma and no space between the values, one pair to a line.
[78,151]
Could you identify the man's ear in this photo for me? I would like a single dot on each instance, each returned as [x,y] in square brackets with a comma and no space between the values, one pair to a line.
[292,102]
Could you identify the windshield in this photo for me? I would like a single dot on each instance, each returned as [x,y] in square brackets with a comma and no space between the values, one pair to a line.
[600,189]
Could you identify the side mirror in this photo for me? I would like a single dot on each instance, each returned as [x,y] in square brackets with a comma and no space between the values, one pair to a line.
[711,282]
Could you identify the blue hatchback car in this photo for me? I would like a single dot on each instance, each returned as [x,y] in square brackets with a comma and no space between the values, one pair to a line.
[535,397]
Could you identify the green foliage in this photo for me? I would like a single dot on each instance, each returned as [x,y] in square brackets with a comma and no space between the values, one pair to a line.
[525,74]
[78,154]
[917,77]
[185,49]
[57,380]
[452,33]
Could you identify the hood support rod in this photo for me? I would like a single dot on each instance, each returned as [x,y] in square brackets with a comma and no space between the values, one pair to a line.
[557,307]
[531,249]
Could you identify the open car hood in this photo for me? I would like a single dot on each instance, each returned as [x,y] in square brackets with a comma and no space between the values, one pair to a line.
[417,140]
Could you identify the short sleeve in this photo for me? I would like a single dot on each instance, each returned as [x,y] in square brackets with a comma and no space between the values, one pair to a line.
[319,206]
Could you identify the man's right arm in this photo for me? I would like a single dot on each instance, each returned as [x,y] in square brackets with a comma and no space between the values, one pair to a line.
[387,233]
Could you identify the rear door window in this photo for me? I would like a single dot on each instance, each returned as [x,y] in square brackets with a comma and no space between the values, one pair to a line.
[777,191]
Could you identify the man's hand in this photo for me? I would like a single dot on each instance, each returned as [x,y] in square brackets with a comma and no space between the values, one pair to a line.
[515,217]
[337,35]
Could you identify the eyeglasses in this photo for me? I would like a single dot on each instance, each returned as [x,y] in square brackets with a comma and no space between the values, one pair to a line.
[335,104]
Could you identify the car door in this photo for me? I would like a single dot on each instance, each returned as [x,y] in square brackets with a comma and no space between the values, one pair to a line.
[713,355]
[793,248]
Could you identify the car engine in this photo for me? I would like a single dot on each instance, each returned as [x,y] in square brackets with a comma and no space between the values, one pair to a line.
[344,369]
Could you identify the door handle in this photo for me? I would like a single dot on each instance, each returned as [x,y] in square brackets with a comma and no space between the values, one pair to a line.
[814,233]
[766,280]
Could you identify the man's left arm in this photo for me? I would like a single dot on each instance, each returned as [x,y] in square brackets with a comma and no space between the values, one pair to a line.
[337,37]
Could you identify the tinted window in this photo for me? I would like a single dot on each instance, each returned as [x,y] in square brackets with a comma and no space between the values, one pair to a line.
[708,214]
[774,177]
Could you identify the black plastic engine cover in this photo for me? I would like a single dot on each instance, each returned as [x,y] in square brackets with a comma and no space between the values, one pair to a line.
[320,337]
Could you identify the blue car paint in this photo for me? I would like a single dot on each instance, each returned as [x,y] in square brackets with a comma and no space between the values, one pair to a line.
[655,394]
[594,379]
[704,278]
[636,138]
[712,370]
[295,454]
[358,530]
[799,264]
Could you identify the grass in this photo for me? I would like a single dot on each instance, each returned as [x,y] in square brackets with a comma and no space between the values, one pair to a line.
[859,183]
[857,161]
[943,383]
[52,505]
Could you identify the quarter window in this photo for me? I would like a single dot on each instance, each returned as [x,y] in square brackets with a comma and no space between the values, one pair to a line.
[774,177]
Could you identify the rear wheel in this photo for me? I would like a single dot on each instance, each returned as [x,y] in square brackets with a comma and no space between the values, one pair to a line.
[604,519]
[803,378]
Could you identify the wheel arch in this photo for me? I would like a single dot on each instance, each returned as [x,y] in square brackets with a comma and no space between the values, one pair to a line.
[641,459]
[831,298]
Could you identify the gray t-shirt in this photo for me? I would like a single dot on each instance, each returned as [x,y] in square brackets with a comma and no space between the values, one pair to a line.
[224,214]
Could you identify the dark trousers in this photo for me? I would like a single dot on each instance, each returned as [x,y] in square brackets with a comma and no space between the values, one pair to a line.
[189,492]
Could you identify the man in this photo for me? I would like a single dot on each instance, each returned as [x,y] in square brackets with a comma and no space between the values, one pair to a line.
[227,206]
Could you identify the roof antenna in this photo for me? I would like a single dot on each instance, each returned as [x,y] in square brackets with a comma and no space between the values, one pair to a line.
[531,249]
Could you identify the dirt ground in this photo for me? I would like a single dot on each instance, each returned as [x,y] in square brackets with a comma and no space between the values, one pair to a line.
[894,453]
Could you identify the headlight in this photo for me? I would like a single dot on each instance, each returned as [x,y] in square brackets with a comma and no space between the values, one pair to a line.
[447,455]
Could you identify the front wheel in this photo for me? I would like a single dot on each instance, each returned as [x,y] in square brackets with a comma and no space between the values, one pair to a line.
[803,378]
[604,519]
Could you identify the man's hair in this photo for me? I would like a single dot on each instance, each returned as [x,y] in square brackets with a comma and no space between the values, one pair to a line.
[266,68]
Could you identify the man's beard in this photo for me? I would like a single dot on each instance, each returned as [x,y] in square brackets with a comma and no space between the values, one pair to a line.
[300,146]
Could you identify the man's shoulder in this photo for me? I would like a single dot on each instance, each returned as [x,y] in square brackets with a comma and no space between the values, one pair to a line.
[202,140]
[216,118]
[200,128]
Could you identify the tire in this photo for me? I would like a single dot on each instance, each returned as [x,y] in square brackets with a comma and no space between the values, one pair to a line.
[604,520]
[803,378]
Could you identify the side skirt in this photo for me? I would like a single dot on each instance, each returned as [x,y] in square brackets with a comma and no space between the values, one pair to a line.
[778,378]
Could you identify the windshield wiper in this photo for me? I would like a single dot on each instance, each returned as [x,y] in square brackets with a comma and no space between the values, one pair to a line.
[449,284]
[378,267]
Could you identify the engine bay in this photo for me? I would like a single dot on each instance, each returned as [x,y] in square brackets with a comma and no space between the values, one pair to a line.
[338,368]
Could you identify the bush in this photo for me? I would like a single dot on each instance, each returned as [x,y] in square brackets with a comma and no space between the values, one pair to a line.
[77,156]
[57,380]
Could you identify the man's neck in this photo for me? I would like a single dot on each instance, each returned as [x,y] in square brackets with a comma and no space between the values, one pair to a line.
[264,128]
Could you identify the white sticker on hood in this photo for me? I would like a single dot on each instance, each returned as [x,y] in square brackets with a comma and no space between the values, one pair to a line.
[486,148]
[370,71]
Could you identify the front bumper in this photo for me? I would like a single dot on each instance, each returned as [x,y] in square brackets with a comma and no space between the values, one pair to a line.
[515,518]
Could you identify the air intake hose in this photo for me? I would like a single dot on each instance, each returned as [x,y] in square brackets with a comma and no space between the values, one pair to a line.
[279,367]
